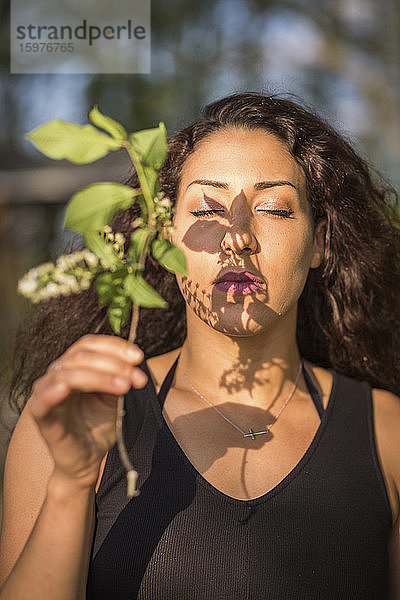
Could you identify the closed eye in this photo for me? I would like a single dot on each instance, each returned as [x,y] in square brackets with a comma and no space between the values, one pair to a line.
[280,212]
[204,213]
[277,211]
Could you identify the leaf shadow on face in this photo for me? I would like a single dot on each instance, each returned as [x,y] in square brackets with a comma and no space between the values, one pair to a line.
[242,375]
[211,306]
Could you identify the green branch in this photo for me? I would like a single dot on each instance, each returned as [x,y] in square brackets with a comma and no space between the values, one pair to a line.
[116,271]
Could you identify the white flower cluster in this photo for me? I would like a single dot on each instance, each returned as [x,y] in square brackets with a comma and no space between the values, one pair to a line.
[72,273]
[163,211]
[117,240]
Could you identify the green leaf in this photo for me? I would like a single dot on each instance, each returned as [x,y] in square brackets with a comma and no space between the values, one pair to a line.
[144,213]
[105,288]
[169,256]
[93,207]
[118,312]
[151,146]
[152,179]
[138,240]
[109,285]
[110,291]
[81,144]
[103,250]
[142,293]
[108,124]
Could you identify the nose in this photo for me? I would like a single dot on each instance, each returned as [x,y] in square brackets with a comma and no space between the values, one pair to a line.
[239,240]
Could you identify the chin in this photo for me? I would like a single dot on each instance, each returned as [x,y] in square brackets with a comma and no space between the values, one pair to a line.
[236,320]
[238,328]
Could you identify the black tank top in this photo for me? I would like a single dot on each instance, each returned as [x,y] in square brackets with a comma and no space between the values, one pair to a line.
[320,534]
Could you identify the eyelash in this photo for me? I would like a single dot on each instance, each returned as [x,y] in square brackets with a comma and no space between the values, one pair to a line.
[278,211]
[204,213]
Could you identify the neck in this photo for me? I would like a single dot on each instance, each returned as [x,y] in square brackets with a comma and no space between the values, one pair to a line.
[252,369]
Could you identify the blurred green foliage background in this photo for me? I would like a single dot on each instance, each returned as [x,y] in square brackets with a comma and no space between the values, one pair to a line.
[340,56]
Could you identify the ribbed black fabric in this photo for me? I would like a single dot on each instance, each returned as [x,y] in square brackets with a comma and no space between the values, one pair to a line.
[320,534]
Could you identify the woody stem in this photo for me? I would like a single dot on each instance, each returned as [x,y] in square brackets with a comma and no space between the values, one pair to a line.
[131,473]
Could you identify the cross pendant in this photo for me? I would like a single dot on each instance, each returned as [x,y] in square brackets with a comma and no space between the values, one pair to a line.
[253,434]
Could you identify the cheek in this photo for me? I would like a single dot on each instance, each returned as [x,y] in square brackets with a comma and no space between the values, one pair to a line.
[189,238]
[286,262]
[201,269]
[199,236]
[197,294]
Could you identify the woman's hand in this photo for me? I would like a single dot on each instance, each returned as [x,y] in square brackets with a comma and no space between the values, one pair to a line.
[74,402]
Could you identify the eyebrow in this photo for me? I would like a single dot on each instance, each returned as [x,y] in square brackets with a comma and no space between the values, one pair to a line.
[264,185]
[261,185]
[216,184]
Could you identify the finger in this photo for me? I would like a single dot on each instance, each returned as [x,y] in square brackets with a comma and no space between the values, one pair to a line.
[105,363]
[110,344]
[54,387]
[57,387]
[50,392]
[46,394]
[88,380]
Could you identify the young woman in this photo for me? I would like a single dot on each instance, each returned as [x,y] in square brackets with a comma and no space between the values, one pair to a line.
[262,413]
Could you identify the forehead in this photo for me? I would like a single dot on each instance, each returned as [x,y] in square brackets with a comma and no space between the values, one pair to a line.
[238,155]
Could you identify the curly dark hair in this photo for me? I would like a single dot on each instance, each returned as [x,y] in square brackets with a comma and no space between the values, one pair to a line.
[349,310]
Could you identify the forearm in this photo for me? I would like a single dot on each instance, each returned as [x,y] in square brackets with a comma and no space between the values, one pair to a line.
[54,562]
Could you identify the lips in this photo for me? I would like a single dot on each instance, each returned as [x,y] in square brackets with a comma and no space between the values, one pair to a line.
[243,282]
[243,276]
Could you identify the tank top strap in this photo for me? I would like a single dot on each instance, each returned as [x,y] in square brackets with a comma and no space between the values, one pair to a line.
[313,390]
[166,384]
[308,377]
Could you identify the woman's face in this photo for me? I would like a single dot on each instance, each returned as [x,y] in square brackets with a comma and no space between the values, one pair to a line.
[245,225]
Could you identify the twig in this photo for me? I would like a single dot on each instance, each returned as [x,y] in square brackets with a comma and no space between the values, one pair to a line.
[131,473]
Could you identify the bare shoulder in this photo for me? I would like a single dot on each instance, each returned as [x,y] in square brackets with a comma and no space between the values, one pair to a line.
[159,366]
[27,471]
[386,406]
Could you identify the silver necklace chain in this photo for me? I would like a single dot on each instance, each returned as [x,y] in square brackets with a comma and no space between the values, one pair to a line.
[250,434]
